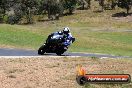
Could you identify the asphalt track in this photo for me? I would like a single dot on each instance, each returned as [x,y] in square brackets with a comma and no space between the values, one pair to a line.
[21,52]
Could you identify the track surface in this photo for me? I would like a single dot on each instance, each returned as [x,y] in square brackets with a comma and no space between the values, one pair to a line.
[21,52]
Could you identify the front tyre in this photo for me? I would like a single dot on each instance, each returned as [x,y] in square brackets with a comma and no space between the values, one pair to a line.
[41,50]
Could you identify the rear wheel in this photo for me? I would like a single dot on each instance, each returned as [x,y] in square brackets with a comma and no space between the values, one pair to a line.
[60,52]
[41,50]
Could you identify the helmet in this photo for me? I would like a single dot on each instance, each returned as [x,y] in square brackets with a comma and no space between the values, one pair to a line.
[66,30]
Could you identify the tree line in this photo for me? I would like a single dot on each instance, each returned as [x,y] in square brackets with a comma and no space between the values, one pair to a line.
[13,11]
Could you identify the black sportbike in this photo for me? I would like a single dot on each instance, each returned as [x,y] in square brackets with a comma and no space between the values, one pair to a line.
[54,44]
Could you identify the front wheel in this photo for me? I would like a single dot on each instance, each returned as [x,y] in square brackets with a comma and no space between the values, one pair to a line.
[41,50]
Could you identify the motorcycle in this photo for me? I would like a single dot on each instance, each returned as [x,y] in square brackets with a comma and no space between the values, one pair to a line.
[54,44]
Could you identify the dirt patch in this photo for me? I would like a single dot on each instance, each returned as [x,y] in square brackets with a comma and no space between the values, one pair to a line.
[48,72]
[124,19]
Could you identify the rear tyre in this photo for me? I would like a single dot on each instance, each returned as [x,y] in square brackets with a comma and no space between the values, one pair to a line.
[59,53]
[41,50]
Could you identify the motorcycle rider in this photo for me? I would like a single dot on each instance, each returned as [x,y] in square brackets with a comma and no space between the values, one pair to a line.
[67,36]
[57,42]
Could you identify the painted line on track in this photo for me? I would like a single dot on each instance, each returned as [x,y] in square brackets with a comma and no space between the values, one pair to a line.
[1,57]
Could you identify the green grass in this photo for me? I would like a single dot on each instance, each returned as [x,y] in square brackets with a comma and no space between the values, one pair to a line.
[118,43]
[93,33]
[15,36]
